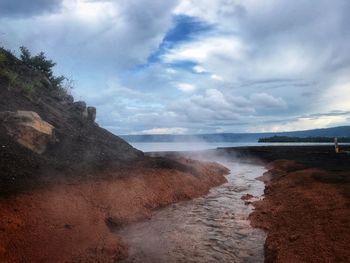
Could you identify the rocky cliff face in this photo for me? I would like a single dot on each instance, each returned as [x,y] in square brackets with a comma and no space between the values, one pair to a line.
[32,110]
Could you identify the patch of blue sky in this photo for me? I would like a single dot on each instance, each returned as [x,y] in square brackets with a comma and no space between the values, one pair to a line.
[185,28]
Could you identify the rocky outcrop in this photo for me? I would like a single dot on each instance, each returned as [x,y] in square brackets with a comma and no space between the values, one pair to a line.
[91,113]
[88,113]
[80,107]
[28,129]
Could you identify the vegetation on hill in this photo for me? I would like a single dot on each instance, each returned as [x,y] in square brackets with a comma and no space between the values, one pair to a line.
[38,63]
[302,139]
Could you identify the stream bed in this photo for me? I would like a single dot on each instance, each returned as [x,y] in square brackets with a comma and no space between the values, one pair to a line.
[213,228]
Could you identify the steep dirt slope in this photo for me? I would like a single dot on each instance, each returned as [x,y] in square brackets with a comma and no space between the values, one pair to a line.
[80,144]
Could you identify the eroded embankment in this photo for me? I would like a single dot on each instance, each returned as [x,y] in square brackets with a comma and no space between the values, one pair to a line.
[213,228]
[306,213]
[72,222]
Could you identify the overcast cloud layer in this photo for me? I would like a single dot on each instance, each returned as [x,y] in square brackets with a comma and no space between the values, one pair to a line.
[195,66]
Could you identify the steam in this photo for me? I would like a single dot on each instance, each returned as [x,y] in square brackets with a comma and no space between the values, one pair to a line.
[189,146]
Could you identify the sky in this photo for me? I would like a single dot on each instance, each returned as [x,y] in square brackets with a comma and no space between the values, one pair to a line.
[195,66]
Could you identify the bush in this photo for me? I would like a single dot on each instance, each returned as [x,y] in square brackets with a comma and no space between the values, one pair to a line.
[10,76]
[28,88]
[2,57]
[44,65]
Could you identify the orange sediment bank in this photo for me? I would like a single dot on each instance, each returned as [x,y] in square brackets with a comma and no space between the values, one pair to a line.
[306,213]
[74,222]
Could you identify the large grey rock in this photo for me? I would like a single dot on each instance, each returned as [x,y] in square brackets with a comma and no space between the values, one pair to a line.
[69,99]
[28,129]
[80,107]
[91,113]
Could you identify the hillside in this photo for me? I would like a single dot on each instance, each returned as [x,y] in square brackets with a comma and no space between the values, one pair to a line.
[79,143]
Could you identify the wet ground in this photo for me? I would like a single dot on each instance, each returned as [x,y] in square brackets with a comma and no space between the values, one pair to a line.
[208,229]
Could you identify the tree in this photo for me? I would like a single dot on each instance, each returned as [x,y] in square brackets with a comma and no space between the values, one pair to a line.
[25,55]
[44,65]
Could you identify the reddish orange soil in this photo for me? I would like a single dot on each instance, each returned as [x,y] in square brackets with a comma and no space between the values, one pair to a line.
[74,222]
[306,213]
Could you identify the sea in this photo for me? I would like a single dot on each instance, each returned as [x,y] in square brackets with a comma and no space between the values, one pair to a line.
[198,146]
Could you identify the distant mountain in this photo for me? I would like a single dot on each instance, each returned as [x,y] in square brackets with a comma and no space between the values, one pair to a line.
[304,139]
[341,131]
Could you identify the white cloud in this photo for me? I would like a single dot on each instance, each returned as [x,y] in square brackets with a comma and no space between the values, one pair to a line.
[174,130]
[216,77]
[267,101]
[337,97]
[171,71]
[114,34]
[185,87]
[199,69]
[302,124]
[204,48]
[261,62]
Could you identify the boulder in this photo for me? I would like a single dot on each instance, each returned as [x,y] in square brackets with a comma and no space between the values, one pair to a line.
[28,129]
[91,113]
[69,99]
[80,107]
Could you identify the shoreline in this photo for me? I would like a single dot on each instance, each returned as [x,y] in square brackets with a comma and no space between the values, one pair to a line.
[306,208]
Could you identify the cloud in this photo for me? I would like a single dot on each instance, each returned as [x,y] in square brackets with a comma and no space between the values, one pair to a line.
[174,130]
[185,87]
[216,77]
[24,8]
[212,105]
[199,69]
[268,101]
[202,65]
[115,35]
[201,49]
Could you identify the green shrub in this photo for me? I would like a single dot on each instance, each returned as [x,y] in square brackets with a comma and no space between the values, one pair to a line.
[9,75]
[2,57]
[28,88]
[44,65]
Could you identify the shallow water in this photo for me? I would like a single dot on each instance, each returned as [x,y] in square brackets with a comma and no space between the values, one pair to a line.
[209,229]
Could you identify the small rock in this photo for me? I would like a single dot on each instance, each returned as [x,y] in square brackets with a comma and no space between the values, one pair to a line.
[69,99]
[68,226]
[247,197]
[91,114]
[293,238]
[79,105]
[114,222]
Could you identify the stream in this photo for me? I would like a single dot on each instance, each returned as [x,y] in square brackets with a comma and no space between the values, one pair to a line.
[213,228]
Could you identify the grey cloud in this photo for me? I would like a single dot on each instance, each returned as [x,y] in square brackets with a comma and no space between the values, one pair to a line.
[326,114]
[292,53]
[268,101]
[118,36]
[25,8]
